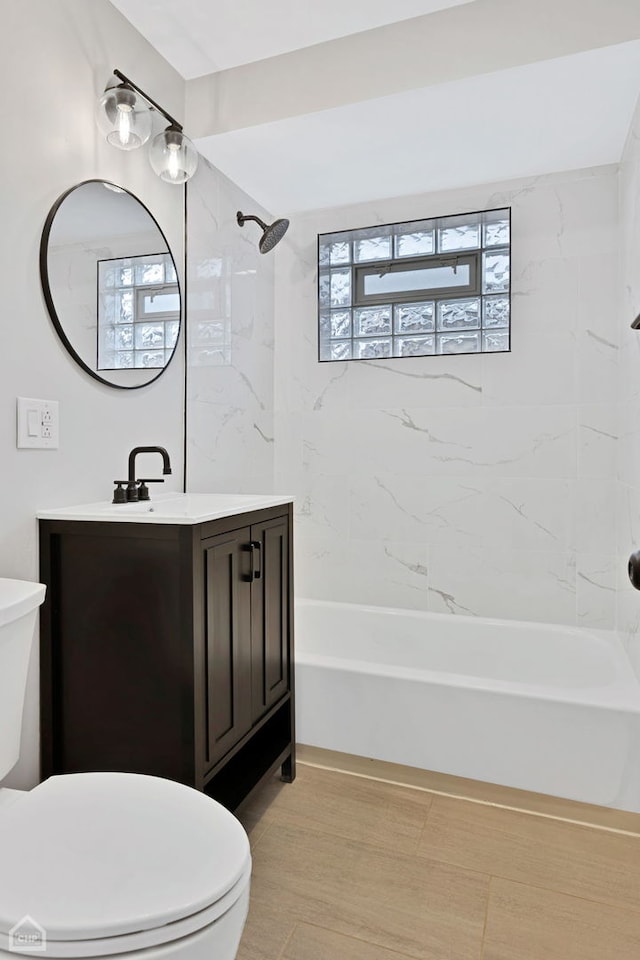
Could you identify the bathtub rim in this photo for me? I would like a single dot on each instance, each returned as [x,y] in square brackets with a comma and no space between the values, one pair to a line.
[622,695]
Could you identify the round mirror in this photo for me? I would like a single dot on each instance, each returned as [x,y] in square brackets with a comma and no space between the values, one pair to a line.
[110,284]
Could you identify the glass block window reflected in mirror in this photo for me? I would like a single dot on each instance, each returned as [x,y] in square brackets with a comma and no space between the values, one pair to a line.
[420,288]
[138,312]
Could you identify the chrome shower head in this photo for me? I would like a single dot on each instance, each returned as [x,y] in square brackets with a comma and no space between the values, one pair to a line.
[272,233]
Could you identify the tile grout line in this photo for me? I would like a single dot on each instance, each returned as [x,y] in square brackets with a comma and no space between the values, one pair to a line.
[381,846]
[349,936]
[625,908]
[486,919]
[483,803]
[422,830]
[287,941]
[634,911]
[257,842]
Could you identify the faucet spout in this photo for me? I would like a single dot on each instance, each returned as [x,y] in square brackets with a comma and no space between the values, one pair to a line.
[166,462]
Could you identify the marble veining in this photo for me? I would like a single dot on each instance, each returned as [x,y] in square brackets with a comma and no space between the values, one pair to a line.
[263,435]
[482,485]
[419,568]
[606,343]
[422,376]
[602,433]
[405,419]
[520,510]
[450,602]
[319,402]
[594,583]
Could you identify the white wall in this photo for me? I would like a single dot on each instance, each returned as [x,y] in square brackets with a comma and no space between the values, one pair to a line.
[474,484]
[231,341]
[628,488]
[57,56]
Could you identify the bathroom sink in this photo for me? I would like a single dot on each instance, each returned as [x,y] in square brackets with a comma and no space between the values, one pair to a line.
[169,508]
[184,505]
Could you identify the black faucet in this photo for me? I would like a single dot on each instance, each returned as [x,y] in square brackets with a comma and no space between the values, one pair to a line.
[135,492]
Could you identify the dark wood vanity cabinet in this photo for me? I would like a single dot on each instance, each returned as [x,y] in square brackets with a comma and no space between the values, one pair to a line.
[247,649]
[167,649]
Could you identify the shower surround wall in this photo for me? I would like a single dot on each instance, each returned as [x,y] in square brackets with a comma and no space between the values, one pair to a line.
[230,429]
[628,472]
[479,484]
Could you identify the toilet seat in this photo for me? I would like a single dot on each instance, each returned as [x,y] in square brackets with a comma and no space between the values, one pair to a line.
[110,862]
[129,943]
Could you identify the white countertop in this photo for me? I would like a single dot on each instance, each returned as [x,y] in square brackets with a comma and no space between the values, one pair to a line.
[187,508]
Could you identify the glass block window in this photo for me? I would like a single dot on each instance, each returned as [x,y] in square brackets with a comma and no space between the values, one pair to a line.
[138,312]
[421,288]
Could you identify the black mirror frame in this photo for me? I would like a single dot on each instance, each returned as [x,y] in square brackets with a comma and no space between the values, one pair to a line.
[48,297]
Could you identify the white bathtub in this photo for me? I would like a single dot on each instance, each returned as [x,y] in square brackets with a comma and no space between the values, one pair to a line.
[542,707]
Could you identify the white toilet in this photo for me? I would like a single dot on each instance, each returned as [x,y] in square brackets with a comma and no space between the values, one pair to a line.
[102,864]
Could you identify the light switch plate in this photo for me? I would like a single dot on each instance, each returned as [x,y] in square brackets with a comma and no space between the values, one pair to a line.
[38,424]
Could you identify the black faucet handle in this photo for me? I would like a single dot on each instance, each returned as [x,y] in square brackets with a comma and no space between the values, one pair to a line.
[143,491]
[119,495]
[132,491]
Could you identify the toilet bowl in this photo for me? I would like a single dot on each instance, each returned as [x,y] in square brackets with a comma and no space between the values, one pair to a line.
[106,864]
[113,863]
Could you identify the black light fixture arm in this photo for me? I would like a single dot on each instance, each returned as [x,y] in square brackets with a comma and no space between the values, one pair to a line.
[156,106]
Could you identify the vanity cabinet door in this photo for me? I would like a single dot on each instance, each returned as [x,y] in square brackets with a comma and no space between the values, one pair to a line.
[227,666]
[270,629]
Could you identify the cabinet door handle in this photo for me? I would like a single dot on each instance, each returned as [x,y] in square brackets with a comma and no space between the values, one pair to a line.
[256,547]
[249,548]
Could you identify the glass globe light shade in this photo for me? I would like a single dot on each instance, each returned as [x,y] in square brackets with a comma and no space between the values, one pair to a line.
[172,156]
[124,117]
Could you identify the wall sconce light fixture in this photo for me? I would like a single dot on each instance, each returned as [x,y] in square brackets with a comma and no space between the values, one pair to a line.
[125,114]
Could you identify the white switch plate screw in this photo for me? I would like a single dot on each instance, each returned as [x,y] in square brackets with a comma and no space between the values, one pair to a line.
[37,426]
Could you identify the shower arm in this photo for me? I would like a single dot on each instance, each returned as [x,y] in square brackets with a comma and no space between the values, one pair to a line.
[242,219]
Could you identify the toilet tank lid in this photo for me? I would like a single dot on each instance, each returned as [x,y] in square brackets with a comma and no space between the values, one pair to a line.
[18,598]
[104,854]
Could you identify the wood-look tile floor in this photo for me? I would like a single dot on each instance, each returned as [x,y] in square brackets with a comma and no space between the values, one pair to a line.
[347,868]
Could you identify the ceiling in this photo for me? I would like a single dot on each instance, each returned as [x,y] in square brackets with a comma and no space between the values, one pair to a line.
[562,114]
[308,104]
[203,36]
[91,214]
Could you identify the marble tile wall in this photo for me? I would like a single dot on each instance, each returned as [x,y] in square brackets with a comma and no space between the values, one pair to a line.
[230,428]
[481,485]
[628,463]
